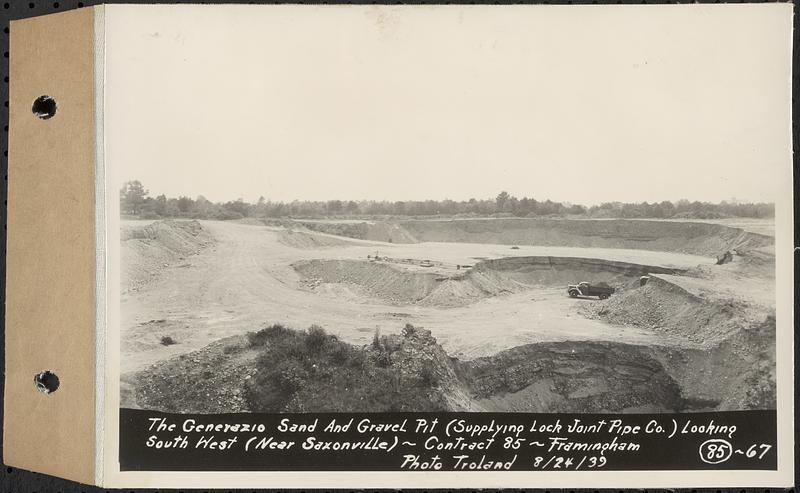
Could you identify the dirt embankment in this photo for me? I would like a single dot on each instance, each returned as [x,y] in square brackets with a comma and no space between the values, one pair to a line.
[209,380]
[413,372]
[389,232]
[378,280]
[737,373]
[670,309]
[582,376]
[306,240]
[401,286]
[732,360]
[397,286]
[670,236]
[684,237]
[560,271]
[147,249]
[572,376]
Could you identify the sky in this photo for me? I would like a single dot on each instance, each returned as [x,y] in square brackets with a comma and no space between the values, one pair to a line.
[580,104]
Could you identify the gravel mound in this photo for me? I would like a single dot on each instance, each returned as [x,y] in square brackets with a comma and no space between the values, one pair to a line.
[376,280]
[209,380]
[148,249]
[389,232]
[400,286]
[667,308]
[730,361]
[304,240]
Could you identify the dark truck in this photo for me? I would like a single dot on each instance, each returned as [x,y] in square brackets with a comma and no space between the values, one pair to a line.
[601,290]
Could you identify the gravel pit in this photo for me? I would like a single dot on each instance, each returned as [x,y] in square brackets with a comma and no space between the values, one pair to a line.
[399,285]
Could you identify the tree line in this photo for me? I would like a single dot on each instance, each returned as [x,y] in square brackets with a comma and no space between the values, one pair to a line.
[135,201]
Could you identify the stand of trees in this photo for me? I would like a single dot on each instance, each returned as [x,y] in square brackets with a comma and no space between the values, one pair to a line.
[135,201]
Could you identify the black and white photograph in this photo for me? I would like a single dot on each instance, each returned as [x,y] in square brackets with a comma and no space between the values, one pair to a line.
[545,221]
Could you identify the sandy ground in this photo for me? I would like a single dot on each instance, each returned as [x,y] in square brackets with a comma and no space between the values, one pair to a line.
[245,281]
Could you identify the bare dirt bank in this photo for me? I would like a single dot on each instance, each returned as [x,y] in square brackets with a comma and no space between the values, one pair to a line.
[398,285]
[585,376]
[731,363]
[671,236]
[149,247]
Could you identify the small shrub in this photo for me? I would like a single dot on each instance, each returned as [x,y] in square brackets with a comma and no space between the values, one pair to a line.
[383,359]
[357,360]
[340,353]
[292,345]
[376,339]
[390,344]
[266,334]
[233,348]
[310,370]
[316,338]
[264,396]
[255,339]
[428,376]
[289,375]
[409,330]
[167,341]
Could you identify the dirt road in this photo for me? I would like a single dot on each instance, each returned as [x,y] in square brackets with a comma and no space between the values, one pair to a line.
[245,280]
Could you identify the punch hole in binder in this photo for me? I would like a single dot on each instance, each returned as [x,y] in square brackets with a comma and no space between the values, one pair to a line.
[44,107]
[46,382]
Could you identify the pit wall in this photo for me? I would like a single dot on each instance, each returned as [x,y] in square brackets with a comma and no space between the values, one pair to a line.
[557,271]
[669,236]
[388,232]
[488,278]
[723,357]
[377,280]
[572,376]
[602,376]
[684,237]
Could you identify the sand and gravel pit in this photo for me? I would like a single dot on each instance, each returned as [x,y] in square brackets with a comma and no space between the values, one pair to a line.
[401,282]
[694,324]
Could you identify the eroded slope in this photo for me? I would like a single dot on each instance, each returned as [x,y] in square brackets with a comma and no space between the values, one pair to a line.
[670,236]
[279,370]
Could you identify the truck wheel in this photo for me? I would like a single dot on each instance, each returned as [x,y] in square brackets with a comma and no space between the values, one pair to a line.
[603,296]
[573,294]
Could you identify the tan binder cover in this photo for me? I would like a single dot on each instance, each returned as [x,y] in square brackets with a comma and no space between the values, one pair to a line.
[50,284]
